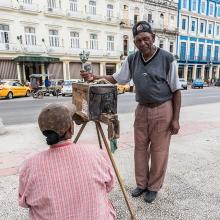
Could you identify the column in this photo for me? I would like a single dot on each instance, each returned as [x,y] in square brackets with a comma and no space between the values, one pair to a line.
[203,72]
[43,72]
[23,77]
[19,72]
[217,72]
[67,70]
[210,72]
[118,66]
[64,70]
[194,71]
[185,71]
[102,69]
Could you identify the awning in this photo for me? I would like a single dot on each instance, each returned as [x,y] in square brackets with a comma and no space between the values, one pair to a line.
[36,59]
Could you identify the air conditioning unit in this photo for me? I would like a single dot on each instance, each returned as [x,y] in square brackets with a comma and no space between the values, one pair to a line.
[50,9]
[21,7]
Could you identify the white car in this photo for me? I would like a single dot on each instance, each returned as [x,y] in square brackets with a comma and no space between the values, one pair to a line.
[67,89]
[183,83]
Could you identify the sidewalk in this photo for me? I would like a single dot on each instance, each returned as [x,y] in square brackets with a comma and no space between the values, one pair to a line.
[191,189]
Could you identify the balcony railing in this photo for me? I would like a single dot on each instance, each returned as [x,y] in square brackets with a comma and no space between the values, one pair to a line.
[8,47]
[6,4]
[103,53]
[126,23]
[75,14]
[111,20]
[56,50]
[34,48]
[54,11]
[28,7]
[199,59]
[93,17]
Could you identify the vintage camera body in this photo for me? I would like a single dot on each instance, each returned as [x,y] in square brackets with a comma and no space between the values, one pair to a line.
[91,100]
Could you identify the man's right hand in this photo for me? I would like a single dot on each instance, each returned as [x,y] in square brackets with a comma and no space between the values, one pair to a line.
[86,75]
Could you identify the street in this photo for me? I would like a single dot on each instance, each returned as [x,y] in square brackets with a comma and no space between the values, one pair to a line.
[26,110]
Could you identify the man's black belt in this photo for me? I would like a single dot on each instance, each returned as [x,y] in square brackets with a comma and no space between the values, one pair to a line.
[151,105]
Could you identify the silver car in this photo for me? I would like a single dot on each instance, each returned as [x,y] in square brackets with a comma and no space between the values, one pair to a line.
[183,83]
[67,89]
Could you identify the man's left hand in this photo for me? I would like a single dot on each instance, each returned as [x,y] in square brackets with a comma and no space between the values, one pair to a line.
[174,127]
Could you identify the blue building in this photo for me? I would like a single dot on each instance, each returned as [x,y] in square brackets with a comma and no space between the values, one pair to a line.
[198,43]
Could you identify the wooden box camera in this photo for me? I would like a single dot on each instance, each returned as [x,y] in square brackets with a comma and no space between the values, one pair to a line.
[92,100]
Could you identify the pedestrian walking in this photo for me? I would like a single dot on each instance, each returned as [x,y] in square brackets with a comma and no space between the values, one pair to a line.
[153,71]
[67,181]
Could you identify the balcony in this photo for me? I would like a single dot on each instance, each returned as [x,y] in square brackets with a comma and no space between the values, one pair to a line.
[33,8]
[111,54]
[95,53]
[126,23]
[75,14]
[6,4]
[93,17]
[34,49]
[8,47]
[199,59]
[111,20]
[56,50]
[55,12]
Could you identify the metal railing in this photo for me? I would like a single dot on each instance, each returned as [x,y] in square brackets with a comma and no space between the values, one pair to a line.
[28,7]
[6,4]
[9,47]
[204,59]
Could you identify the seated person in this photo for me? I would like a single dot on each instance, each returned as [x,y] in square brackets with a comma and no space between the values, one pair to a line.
[47,83]
[66,181]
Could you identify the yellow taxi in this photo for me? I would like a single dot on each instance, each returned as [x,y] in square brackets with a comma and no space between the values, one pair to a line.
[123,88]
[10,89]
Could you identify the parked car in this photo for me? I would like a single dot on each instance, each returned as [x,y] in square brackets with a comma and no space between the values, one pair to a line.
[183,83]
[197,83]
[123,88]
[67,88]
[217,82]
[10,89]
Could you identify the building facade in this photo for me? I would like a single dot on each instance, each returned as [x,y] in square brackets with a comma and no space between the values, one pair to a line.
[47,36]
[162,15]
[199,41]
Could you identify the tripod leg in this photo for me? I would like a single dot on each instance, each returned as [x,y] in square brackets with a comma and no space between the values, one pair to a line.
[98,134]
[116,171]
[80,132]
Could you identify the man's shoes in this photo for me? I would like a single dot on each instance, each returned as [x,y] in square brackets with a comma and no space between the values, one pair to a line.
[137,192]
[150,196]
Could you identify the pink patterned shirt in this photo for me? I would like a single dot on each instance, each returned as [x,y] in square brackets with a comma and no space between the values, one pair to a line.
[67,181]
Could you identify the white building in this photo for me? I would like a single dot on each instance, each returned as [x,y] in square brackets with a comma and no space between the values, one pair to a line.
[46,36]
[162,15]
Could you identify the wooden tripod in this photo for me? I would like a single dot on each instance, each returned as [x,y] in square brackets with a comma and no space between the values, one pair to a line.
[100,138]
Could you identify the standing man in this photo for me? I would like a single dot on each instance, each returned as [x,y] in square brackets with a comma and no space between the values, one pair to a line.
[153,71]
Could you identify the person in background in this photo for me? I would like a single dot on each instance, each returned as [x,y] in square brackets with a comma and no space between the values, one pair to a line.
[157,87]
[67,181]
[47,83]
